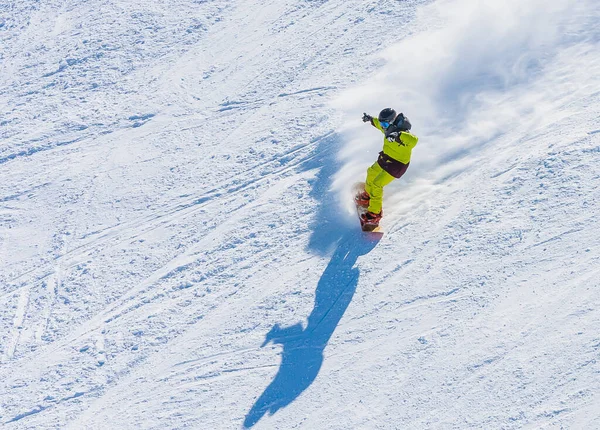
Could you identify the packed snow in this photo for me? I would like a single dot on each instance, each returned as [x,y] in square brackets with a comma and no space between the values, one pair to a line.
[178,244]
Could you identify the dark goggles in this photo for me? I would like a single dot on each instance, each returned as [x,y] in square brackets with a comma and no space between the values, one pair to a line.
[384,124]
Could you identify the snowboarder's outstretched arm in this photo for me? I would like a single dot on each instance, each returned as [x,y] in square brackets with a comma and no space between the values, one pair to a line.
[374,122]
[368,118]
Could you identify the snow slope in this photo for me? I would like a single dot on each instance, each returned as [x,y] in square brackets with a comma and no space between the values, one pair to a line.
[177,244]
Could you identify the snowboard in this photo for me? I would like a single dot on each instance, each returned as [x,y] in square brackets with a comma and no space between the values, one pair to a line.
[358,188]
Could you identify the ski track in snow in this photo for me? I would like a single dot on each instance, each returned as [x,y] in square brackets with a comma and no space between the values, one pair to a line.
[178,248]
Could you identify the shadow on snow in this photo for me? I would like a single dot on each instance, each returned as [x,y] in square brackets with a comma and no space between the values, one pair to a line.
[303,347]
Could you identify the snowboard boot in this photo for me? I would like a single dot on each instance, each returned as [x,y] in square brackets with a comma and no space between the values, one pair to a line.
[362,199]
[371,218]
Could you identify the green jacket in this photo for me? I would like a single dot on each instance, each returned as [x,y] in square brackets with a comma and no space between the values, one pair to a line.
[400,149]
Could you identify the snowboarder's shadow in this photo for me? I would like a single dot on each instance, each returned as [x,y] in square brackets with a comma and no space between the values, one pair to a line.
[303,347]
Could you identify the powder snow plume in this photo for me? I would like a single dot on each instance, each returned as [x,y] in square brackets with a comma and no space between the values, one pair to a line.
[481,69]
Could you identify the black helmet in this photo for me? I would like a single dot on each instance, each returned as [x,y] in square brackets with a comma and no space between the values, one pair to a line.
[387,115]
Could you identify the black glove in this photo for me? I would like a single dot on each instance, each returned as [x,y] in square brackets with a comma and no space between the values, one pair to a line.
[392,136]
[367,117]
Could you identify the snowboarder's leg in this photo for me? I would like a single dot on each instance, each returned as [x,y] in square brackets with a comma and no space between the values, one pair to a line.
[377,178]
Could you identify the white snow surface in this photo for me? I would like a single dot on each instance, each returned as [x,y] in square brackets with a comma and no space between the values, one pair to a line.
[178,247]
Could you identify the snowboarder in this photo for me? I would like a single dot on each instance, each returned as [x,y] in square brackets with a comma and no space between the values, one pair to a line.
[391,164]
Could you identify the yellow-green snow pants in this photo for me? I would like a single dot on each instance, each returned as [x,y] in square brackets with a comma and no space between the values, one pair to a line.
[377,178]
